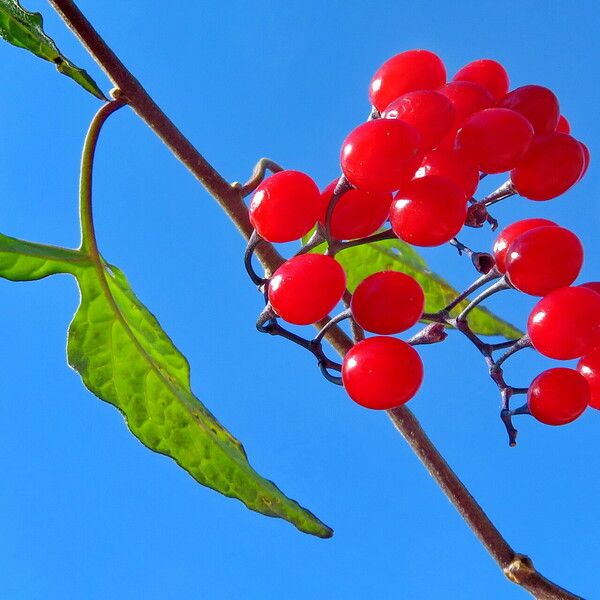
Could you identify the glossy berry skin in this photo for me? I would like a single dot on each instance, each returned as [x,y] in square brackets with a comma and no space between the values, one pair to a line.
[452,165]
[357,213]
[487,73]
[553,163]
[558,396]
[466,98]
[305,288]
[431,113]
[510,233]
[380,155]
[285,206]
[406,72]
[563,125]
[544,259]
[537,104]
[565,324]
[586,160]
[589,367]
[495,139]
[428,211]
[592,285]
[387,302]
[382,372]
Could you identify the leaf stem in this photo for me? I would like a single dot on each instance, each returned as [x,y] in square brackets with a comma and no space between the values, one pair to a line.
[515,566]
[88,233]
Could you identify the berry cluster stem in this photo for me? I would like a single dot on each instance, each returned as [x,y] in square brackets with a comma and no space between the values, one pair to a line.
[506,190]
[478,283]
[518,568]
[478,211]
[443,318]
[482,261]
[499,286]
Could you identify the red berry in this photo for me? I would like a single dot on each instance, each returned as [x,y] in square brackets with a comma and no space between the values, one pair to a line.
[592,285]
[406,72]
[544,259]
[466,98]
[387,302]
[589,367]
[586,160]
[428,211]
[563,125]
[382,372]
[565,324]
[380,155]
[595,286]
[452,165]
[537,104]
[509,234]
[495,139]
[285,206]
[558,396]
[553,163]
[432,114]
[487,73]
[305,288]
[357,213]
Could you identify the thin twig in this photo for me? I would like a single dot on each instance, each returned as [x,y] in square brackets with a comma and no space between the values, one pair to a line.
[341,187]
[258,175]
[500,285]
[506,190]
[316,239]
[386,234]
[516,567]
[478,283]
[358,333]
[345,314]
[517,346]
[482,261]
[430,334]
[253,243]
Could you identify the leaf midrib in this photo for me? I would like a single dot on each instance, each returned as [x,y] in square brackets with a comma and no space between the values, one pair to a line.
[71,255]
[102,276]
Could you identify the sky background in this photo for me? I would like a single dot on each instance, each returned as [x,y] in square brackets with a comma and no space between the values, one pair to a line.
[87,512]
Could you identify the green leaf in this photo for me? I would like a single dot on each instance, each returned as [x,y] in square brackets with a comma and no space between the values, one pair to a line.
[26,261]
[361,261]
[25,30]
[125,358]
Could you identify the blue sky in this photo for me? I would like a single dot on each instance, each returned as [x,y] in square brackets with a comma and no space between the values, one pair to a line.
[87,511]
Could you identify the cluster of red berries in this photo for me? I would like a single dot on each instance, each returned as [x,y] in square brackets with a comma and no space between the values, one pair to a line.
[417,162]
[542,259]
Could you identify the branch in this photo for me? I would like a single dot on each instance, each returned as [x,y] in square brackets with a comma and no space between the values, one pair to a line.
[516,567]
[132,92]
